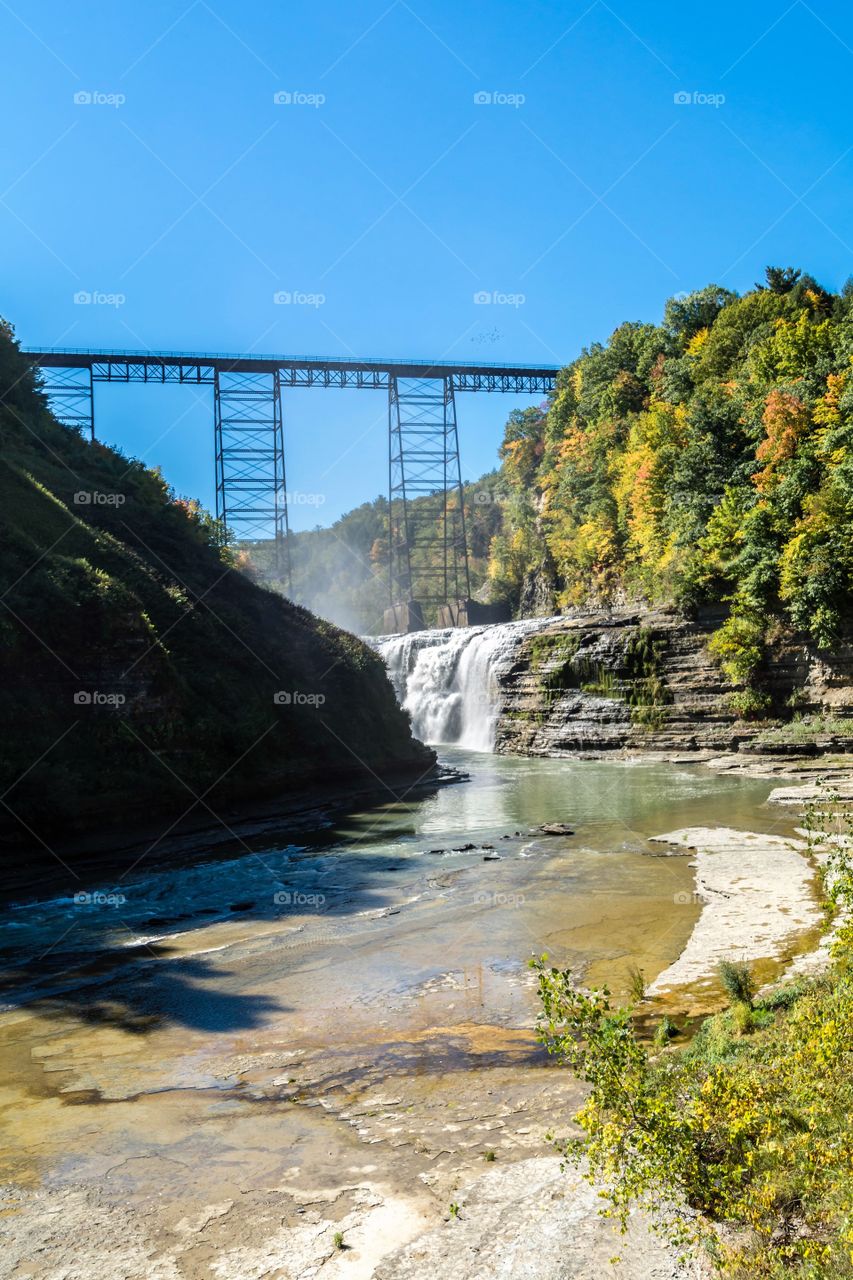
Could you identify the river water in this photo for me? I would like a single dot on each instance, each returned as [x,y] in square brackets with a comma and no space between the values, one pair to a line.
[362,933]
[222,1015]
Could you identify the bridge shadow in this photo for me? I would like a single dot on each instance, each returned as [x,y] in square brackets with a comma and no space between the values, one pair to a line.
[124,952]
[129,994]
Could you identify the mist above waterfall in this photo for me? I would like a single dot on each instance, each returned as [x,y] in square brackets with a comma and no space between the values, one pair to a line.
[447,680]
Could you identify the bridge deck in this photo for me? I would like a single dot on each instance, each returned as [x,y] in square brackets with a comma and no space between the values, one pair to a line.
[370,372]
[80,357]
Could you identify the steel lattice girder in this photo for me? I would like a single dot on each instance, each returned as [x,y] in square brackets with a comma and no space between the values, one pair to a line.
[251,494]
[151,371]
[251,488]
[71,397]
[428,554]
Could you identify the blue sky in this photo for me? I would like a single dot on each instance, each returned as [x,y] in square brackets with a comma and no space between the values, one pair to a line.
[583,186]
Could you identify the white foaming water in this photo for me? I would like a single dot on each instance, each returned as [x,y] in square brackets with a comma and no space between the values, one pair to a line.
[447,680]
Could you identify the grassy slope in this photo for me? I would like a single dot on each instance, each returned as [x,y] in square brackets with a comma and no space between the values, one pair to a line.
[133,600]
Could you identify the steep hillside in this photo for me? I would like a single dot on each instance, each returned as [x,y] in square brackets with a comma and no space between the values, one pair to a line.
[140,672]
[707,460]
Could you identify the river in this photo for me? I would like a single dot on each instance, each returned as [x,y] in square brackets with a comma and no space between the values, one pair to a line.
[335,1024]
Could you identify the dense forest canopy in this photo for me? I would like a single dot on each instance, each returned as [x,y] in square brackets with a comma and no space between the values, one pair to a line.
[705,459]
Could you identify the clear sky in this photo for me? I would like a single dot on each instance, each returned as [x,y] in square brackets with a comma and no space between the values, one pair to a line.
[585,189]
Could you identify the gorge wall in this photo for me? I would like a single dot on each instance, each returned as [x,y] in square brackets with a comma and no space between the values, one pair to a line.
[142,675]
[633,680]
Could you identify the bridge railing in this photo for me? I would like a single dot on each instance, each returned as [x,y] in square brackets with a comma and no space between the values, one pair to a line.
[204,357]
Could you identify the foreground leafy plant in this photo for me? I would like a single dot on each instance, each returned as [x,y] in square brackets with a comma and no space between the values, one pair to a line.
[740,1143]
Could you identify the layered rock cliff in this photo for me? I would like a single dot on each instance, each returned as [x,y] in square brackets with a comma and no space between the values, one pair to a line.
[636,680]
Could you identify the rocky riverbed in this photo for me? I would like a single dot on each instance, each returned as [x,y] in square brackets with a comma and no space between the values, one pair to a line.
[302,1149]
[208,1083]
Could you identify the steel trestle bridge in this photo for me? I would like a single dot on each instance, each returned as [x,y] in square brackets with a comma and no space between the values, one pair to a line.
[428,558]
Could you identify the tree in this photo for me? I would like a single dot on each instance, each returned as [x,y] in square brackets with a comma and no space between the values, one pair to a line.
[780,279]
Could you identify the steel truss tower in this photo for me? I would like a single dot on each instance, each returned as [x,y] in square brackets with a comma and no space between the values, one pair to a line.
[428,560]
[428,551]
[251,490]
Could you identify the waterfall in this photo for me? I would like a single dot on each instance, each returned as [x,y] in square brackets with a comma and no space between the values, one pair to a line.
[447,679]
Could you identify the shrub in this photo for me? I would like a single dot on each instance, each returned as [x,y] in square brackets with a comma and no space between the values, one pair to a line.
[743,1017]
[749,704]
[739,644]
[738,982]
[665,1031]
[740,1142]
[637,982]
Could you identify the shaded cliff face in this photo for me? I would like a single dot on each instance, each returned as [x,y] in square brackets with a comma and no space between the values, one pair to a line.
[644,681]
[140,671]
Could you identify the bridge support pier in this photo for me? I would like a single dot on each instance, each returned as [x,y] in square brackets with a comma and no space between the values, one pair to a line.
[428,560]
[403,618]
[251,489]
[427,548]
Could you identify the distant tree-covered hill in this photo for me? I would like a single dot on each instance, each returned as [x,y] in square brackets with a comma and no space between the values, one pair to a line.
[341,572]
[140,671]
[707,460]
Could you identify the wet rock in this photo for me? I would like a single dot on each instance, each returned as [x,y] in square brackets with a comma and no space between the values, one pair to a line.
[491,857]
[463,848]
[555,829]
[811,793]
[757,895]
[240,906]
[572,688]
